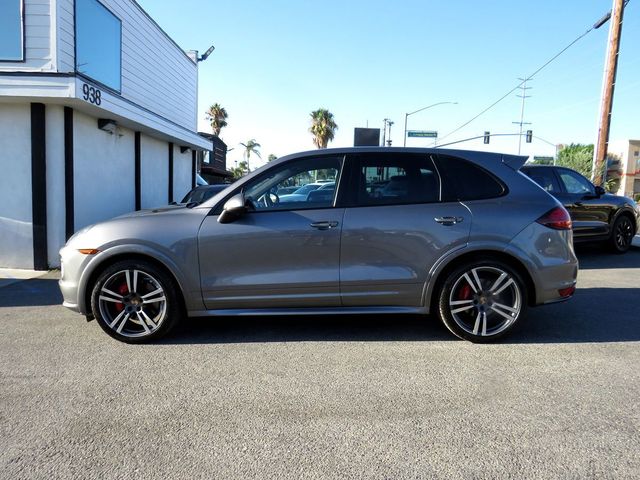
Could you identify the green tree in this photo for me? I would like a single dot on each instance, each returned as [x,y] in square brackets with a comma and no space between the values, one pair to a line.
[240,170]
[251,147]
[271,157]
[217,116]
[577,156]
[323,127]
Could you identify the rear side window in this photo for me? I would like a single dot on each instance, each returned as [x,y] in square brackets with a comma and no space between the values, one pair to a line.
[543,177]
[464,180]
[395,179]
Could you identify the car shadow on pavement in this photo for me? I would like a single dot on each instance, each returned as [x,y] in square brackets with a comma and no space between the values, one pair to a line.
[593,257]
[311,328]
[31,293]
[593,315]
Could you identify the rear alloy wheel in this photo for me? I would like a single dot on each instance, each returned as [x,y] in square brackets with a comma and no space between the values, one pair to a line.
[135,302]
[482,301]
[622,235]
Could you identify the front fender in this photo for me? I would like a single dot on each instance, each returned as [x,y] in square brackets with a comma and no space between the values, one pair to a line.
[188,280]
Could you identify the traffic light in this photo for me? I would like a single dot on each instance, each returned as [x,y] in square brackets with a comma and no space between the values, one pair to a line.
[529,135]
[487,135]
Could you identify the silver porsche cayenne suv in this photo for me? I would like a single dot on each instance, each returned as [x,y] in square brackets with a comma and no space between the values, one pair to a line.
[459,234]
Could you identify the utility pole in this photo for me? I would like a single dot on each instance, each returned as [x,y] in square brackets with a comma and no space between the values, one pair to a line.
[387,123]
[384,131]
[608,84]
[524,88]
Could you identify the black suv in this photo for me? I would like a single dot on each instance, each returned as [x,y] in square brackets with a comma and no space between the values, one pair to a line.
[596,215]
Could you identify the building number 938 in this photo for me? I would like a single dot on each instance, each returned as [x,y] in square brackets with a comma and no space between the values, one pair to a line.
[91,94]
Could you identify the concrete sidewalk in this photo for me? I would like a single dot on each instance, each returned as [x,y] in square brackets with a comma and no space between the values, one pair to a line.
[13,275]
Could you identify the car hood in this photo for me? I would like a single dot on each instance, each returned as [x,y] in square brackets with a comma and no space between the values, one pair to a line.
[165,225]
[153,211]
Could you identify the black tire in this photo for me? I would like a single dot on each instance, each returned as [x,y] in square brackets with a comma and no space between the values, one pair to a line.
[135,301]
[622,234]
[483,312]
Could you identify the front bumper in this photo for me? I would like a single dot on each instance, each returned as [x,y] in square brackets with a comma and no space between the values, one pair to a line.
[72,264]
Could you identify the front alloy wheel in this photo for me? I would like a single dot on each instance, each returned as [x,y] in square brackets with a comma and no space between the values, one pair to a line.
[134,302]
[482,301]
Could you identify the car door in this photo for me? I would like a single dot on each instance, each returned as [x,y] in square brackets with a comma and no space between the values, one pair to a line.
[395,227]
[589,213]
[275,255]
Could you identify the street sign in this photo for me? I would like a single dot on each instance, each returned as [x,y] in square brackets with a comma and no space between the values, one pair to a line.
[423,133]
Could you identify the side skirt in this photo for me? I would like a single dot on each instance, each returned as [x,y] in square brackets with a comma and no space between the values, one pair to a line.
[237,312]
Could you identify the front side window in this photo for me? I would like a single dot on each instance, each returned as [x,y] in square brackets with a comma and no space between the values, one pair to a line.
[11,28]
[303,184]
[396,179]
[575,183]
[98,43]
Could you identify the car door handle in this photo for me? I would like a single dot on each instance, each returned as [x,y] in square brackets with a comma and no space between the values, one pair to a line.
[325,225]
[448,220]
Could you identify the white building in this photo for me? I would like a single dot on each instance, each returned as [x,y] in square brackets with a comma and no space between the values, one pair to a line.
[98,115]
[629,153]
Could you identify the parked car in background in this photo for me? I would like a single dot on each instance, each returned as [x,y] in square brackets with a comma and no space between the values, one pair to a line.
[200,181]
[203,193]
[597,216]
[301,193]
[460,234]
[286,190]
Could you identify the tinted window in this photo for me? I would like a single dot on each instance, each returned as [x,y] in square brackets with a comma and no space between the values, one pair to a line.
[11,30]
[98,35]
[262,192]
[574,182]
[543,177]
[392,178]
[467,181]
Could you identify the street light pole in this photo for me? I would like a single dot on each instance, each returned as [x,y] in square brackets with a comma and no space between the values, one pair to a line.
[406,116]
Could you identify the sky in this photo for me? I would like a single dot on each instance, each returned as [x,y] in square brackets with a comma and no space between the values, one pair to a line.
[277,61]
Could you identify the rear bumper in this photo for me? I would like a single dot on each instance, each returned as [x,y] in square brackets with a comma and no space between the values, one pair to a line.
[550,259]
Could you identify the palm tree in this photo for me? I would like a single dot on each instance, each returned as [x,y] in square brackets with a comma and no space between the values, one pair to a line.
[217,115]
[251,147]
[323,127]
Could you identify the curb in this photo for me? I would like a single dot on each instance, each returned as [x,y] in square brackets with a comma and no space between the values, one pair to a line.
[10,276]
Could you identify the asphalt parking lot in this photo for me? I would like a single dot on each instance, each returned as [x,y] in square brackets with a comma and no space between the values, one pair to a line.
[348,397]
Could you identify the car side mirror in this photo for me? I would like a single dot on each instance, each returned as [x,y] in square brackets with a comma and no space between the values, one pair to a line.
[233,209]
[600,191]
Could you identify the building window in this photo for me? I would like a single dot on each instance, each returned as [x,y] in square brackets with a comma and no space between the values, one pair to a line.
[98,43]
[11,31]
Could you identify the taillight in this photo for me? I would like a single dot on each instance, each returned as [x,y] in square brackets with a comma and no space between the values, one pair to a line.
[557,218]
[567,292]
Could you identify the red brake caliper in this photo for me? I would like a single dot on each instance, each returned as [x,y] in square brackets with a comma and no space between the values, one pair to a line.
[465,293]
[122,290]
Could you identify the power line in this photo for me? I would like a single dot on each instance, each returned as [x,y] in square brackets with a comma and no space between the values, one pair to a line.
[523,82]
[524,96]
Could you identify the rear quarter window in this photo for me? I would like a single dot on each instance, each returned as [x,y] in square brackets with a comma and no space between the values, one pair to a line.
[464,180]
